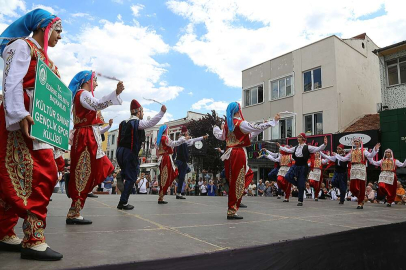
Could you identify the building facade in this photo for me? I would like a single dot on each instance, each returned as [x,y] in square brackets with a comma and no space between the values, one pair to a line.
[111,148]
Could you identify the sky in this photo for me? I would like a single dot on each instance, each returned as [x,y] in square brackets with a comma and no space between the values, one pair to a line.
[190,54]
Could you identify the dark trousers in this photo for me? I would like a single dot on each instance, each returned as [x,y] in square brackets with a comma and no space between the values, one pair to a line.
[340,181]
[300,172]
[273,175]
[128,162]
[182,170]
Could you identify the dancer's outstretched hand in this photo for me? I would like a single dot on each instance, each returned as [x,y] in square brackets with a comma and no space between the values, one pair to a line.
[205,136]
[377,146]
[277,117]
[120,88]
[163,108]
[24,125]
[325,140]
[110,122]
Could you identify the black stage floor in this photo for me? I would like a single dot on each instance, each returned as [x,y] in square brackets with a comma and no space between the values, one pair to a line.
[198,225]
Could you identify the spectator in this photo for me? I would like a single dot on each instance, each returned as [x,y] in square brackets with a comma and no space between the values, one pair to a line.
[56,188]
[268,189]
[108,184]
[62,182]
[323,192]
[192,188]
[199,184]
[333,193]
[308,192]
[400,193]
[211,189]
[155,186]
[295,191]
[203,189]
[369,194]
[261,188]
[114,185]
[142,184]
[252,188]
[149,184]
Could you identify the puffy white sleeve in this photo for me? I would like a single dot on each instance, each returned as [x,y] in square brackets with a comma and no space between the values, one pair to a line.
[331,158]
[324,161]
[370,155]
[104,129]
[219,134]
[287,150]
[344,159]
[255,129]
[91,103]
[270,157]
[375,163]
[173,144]
[17,58]
[314,149]
[400,164]
[144,124]
[190,142]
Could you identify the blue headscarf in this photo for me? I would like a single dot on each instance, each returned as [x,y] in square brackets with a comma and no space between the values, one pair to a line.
[160,133]
[232,109]
[78,80]
[24,26]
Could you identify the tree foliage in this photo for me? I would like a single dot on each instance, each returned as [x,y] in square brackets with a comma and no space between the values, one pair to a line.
[207,158]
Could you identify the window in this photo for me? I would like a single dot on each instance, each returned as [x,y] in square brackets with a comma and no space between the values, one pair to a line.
[281,88]
[254,95]
[284,129]
[396,70]
[312,79]
[313,124]
[113,139]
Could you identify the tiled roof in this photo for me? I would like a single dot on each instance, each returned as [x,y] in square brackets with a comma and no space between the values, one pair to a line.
[361,36]
[367,122]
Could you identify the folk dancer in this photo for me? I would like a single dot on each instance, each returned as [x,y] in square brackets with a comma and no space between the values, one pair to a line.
[238,134]
[181,157]
[27,166]
[340,172]
[130,138]
[387,183]
[167,170]
[297,174]
[316,173]
[285,161]
[358,173]
[89,164]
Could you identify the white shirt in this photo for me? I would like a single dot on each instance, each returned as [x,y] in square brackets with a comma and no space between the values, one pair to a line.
[190,142]
[246,128]
[144,124]
[91,103]
[203,188]
[142,185]
[379,163]
[348,157]
[299,149]
[104,129]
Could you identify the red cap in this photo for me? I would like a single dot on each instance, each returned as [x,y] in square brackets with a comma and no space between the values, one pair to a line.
[134,106]
[184,129]
[303,135]
[341,146]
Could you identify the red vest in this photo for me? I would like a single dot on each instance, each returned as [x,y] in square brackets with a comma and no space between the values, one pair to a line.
[83,117]
[163,148]
[237,138]
[388,165]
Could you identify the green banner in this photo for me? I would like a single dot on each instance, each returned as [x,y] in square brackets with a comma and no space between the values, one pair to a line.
[51,108]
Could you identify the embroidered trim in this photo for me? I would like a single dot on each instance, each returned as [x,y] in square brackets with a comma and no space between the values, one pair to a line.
[83,170]
[164,176]
[8,238]
[76,119]
[97,106]
[74,212]
[33,230]
[232,140]
[239,184]
[19,165]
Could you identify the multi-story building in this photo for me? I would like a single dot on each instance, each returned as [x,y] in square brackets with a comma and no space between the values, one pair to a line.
[111,140]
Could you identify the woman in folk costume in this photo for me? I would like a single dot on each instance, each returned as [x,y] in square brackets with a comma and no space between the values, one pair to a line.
[89,165]
[358,173]
[238,134]
[28,171]
[286,161]
[167,170]
[387,177]
[316,173]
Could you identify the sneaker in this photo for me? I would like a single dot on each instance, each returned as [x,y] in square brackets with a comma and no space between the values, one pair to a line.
[285,200]
[180,197]
[299,204]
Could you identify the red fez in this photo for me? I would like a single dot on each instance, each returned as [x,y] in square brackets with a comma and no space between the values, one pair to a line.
[135,106]
[341,146]
[303,135]
[184,129]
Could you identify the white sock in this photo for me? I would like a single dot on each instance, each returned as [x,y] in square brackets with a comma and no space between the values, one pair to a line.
[79,217]
[40,247]
[12,241]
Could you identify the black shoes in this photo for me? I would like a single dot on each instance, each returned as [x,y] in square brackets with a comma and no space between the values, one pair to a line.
[299,204]
[91,195]
[341,203]
[285,200]
[316,200]
[360,207]
[180,197]
[279,197]
[162,202]
[125,206]
[243,205]
[73,221]
[388,205]
[10,247]
[234,217]
[47,255]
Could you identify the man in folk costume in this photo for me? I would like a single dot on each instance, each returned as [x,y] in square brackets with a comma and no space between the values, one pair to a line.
[28,171]
[89,165]
[286,161]
[131,135]
[297,174]
[238,134]
[387,178]
[358,172]
[181,157]
[316,173]
[340,172]
[167,170]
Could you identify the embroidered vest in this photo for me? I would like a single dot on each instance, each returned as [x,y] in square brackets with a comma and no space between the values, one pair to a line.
[129,136]
[317,163]
[237,138]
[357,156]
[388,165]
[286,160]
[163,148]
[83,117]
[302,161]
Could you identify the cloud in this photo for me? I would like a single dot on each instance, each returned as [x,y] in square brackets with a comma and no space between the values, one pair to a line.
[136,9]
[80,14]
[209,104]
[47,8]
[228,36]
[10,7]
[190,93]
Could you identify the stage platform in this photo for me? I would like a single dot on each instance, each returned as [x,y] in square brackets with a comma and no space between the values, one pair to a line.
[273,234]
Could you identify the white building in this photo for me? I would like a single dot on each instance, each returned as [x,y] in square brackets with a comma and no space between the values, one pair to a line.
[112,146]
